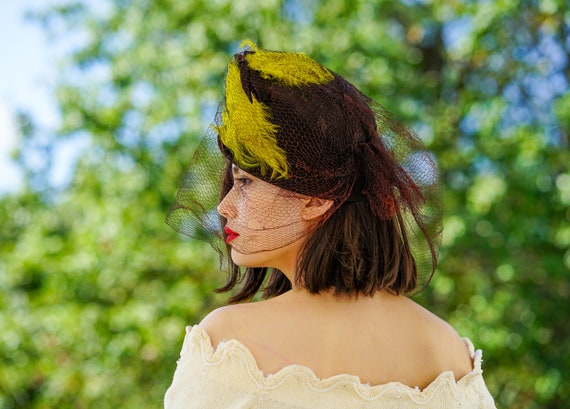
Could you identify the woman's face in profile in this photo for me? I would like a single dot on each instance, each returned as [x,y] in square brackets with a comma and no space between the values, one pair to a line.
[260,217]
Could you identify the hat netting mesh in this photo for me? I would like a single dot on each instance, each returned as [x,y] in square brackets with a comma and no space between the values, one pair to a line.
[294,129]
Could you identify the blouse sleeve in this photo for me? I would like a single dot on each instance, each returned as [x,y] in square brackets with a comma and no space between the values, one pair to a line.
[202,378]
[175,396]
[208,377]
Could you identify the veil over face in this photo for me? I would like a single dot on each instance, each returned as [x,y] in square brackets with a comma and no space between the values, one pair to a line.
[261,216]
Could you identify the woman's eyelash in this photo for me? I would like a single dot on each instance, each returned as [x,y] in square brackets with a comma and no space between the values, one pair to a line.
[242,181]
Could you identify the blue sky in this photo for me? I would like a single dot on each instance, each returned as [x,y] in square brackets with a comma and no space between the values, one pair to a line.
[27,73]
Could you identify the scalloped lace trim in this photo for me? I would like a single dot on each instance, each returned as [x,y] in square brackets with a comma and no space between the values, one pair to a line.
[198,337]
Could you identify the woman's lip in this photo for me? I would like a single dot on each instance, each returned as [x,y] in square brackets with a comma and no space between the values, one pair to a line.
[230,234]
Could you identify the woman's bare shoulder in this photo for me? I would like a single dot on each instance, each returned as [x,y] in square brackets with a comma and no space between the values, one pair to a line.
[231,321]
[445,347]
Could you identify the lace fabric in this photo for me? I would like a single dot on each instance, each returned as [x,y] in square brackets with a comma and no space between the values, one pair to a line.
[228,377]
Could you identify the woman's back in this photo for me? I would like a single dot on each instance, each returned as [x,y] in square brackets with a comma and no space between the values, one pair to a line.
[380,339]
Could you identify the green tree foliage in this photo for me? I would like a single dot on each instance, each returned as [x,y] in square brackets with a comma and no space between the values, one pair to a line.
[96,290]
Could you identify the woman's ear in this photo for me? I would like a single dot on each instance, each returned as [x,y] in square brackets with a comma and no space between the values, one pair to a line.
[315,208]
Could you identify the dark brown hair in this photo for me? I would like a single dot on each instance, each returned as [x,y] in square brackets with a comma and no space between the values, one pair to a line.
[353,252]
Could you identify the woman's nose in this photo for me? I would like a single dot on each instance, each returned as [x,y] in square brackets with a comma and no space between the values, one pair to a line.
[226,207]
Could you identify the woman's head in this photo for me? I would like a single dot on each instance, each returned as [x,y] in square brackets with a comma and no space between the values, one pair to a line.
[306,132]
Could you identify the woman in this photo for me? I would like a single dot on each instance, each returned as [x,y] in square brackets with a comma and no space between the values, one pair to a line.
[334,208]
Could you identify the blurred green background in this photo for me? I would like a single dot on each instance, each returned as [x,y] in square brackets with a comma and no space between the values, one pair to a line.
[95,290]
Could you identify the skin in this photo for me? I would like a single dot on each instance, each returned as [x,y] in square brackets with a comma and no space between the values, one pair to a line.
[266,218]
[381,339]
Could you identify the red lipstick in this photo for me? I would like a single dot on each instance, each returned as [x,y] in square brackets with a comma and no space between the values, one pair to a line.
[230,234]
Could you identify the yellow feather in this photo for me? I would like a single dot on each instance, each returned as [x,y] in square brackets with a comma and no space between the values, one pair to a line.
[249,44]
[248,132]
[290,69]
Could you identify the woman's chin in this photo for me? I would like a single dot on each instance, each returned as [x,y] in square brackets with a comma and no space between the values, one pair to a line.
[247,260]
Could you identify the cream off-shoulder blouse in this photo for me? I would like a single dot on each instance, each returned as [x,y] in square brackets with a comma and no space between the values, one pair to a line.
[228,378]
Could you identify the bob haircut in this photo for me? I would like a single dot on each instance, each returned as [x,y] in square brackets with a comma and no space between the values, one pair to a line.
[353,252]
